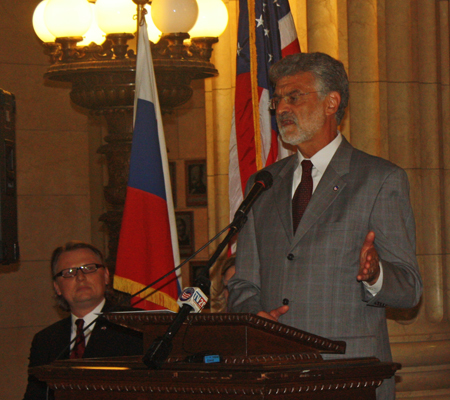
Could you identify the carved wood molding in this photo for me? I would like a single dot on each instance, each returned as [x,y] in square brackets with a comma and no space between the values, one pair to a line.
[138,320]
[217,390]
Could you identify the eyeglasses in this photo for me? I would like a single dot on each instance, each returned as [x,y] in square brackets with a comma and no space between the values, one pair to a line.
[291,98]
[72,272]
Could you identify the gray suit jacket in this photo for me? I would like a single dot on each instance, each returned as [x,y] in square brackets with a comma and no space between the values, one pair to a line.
[316,269]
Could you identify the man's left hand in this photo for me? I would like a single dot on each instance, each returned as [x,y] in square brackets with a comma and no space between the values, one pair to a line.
[274,314]
[369,261]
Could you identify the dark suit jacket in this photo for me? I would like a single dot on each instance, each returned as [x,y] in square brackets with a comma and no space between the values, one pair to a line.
[316,268]
[107,340]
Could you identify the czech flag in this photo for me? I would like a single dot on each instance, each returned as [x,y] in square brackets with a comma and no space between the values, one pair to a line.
[148,246]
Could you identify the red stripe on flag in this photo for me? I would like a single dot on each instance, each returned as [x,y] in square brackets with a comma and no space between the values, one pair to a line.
[244,128]
[145,234]
[273,154]
[292,48]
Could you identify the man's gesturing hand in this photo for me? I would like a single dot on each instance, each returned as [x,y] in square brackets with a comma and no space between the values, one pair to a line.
[369,261]
[274,314]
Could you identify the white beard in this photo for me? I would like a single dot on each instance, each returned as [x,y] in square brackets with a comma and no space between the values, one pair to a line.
[304,131]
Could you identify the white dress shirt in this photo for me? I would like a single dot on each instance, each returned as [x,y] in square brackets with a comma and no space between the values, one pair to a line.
[88,318]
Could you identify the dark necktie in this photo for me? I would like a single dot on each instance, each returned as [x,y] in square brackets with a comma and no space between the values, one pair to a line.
[302,194]
[80,345]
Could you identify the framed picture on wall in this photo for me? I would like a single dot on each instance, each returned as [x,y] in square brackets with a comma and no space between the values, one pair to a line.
[196,193]
[185,231]
[197,268]
[173,180]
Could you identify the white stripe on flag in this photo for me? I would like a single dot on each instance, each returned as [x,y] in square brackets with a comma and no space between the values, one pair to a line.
[287,30]
[265,122]
[234,172]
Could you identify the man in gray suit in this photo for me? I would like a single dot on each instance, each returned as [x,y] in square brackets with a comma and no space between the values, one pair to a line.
[353,251]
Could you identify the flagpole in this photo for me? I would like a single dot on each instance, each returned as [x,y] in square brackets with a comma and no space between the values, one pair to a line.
[140,16]
[139,22]
[254,82]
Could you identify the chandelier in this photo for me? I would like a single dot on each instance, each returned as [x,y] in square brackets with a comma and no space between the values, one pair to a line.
[83,37]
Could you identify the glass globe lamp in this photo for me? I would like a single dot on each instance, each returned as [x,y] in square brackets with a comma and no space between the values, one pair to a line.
[67,18]
[153,32]
[212,19]
[39,25]
[94,34]
[116,16]
[172,16]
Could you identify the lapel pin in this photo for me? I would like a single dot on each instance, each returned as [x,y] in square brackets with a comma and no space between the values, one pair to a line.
[103,328]
[336,188]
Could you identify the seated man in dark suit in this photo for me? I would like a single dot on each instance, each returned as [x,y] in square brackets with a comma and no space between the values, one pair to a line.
[80,279]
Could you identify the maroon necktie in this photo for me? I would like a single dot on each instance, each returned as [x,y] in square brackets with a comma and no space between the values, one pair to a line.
[302,194]
[80,345]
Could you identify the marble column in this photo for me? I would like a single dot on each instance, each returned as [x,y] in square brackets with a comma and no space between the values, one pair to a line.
[326,31]
[417,56]
[219,94]
[363,71]
[322,26]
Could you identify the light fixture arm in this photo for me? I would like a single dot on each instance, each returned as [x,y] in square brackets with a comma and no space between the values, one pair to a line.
[68,50]
[119,44]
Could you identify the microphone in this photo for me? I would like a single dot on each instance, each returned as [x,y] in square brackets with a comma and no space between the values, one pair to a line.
[263,181]
[191,299]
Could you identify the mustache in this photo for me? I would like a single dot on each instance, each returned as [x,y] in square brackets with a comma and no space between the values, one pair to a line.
[287,117]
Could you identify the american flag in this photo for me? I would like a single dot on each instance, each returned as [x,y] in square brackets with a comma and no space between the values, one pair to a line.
[254,140]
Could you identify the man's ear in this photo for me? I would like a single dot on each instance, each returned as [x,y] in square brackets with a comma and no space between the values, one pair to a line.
[106,275]
[56,287]
[333,101]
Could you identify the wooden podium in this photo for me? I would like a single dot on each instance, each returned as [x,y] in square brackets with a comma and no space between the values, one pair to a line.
[260,359]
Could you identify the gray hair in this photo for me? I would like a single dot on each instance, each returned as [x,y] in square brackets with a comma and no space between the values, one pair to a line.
[328,72]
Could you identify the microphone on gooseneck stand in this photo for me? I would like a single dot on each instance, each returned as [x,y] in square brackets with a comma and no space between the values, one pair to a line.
[263,181]
[192,299]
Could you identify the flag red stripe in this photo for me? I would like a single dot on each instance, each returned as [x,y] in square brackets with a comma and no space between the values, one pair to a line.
[292,48]
[244,128]
[273,154]
[145,234]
